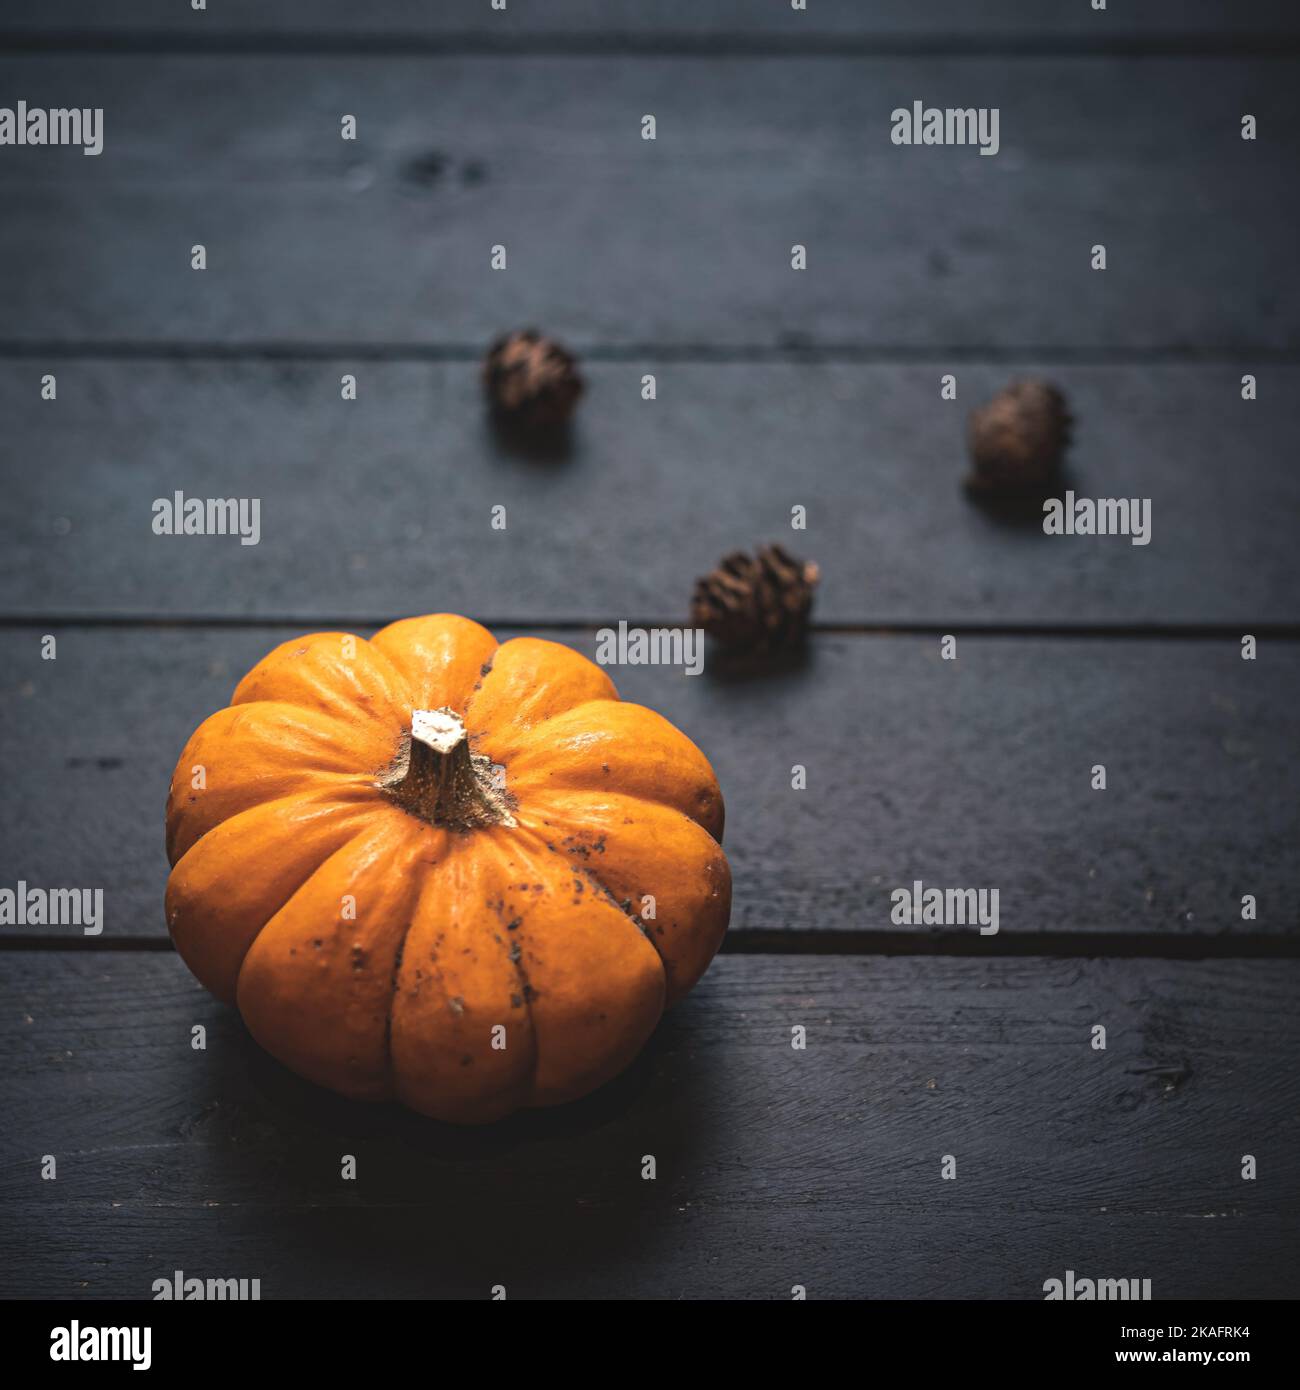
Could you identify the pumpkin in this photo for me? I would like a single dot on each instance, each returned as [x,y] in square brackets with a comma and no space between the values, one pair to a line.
[440,869]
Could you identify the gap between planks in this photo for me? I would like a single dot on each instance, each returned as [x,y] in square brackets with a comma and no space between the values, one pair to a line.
[1008,44]
[761,942]
[1138,632]
[798,351]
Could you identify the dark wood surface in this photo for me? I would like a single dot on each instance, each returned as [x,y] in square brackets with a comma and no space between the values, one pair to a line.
[974,772]
[774,1166]
[383,505]
[775,388]
[684,242]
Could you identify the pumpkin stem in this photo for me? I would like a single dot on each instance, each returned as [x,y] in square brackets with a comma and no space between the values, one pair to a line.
[442,781]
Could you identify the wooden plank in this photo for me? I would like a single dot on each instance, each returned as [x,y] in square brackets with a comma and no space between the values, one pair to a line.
[616,241]
[774,1166]
[969,773]
[383,504]
[558,1250]
[613,19]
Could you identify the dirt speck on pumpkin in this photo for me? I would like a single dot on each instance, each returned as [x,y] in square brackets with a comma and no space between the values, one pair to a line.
[456,1004]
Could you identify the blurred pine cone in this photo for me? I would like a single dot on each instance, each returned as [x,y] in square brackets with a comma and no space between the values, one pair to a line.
[531,381]
[759,602]
[1017,440]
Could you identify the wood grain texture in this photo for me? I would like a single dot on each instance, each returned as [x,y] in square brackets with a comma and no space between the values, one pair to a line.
[775,1166]
[971,773]
[616,241]
[533,20]
[374,506]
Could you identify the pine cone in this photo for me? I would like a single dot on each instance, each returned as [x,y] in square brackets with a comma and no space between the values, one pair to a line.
[1018,439]
[761,602]
[531,381]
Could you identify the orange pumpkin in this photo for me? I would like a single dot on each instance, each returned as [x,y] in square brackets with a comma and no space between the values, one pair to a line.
[431,867]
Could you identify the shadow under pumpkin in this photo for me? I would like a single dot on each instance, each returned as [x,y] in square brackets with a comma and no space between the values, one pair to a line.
[545,1195]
